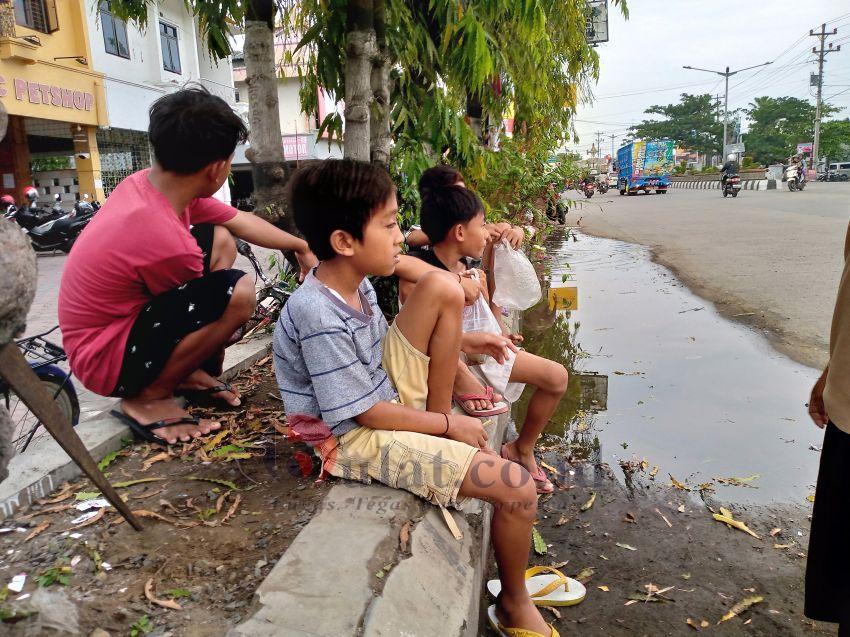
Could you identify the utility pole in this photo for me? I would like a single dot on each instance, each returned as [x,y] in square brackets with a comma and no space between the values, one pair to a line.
[613,155]
[726,74]
[599,135]
[822,35]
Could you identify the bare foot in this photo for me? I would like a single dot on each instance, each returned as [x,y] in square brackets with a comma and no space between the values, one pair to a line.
[527,460]
[521,613]
[146,411]
[467,383]
[199,379]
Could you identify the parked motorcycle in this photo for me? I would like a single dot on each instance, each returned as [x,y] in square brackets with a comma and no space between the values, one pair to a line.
[732,185]
[61,233]
[794,179]
[33,215]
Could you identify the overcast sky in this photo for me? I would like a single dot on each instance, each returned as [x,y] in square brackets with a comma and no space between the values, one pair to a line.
[645,55]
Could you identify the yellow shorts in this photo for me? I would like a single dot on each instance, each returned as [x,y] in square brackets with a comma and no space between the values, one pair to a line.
[431,467]
[407,367]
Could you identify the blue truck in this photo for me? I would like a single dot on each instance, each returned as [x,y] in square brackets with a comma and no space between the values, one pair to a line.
[645,165]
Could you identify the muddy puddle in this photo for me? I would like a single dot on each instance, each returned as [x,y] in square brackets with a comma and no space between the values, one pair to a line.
[658,375]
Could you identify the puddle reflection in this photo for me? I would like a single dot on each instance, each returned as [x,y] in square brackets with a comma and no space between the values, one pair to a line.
[691,392]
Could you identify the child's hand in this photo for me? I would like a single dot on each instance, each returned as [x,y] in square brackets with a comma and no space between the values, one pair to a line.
[471,288]
[514,236]
[515,338]
[467,429]
[307,260]
[484,343]
[817,410]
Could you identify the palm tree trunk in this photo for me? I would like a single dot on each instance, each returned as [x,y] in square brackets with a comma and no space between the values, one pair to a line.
[380,138]
[7,19]
[269,168]
[360,50]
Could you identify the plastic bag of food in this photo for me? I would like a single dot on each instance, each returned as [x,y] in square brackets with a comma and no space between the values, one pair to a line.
[516,283]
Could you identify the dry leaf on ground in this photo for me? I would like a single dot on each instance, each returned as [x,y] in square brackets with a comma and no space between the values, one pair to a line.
[735,523]
[404,536]
[741,606]
[165,603]
[41,527]
[154,459]
[233,507]
[678,484]
[589,503]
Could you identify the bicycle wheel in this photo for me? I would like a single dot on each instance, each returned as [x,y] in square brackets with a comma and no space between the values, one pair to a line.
[27,428]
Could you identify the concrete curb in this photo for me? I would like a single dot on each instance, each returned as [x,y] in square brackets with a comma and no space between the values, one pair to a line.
[39,471]
[710,184]
[435,590]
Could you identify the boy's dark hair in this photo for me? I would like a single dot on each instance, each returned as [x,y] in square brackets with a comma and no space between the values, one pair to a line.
[336,194]
[438,177]
[192,128]
[445,207]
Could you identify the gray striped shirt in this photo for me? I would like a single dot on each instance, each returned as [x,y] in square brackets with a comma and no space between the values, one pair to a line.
[327,355]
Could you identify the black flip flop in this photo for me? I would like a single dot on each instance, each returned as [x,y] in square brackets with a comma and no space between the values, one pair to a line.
[145,432]
[205,397]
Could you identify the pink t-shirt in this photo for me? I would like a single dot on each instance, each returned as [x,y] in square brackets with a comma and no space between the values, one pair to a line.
[135,248]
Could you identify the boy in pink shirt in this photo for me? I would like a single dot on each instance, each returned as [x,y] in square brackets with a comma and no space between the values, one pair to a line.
[149,297]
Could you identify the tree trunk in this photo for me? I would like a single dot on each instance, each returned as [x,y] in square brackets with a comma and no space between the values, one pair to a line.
[360,50]
[474,111]
[380,138]
[269,168]
[7,19]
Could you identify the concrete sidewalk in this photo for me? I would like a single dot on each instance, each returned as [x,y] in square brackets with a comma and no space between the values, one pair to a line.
[370,587]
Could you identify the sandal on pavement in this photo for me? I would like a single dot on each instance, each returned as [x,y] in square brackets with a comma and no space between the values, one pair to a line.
[206,397]
[145,432]
[547,586]
[498,407]
[544,485]
[514,632]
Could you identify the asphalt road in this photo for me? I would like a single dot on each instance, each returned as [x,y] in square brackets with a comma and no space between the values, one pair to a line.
[770,258]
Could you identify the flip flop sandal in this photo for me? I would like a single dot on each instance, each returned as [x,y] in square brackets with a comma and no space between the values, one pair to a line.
[504,631]
[547,586]
[498,407]
[145,432]
[206,397]
[539,477]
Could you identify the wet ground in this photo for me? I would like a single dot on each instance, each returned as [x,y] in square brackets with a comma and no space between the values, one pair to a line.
[673,414]
[659,375]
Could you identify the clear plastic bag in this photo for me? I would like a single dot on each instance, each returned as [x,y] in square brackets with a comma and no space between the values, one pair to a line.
[516,283]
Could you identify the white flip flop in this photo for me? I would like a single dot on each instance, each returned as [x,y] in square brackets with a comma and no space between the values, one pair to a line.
[547,586]
[504,631]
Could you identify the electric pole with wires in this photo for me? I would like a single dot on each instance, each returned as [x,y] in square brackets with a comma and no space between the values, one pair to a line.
[821,52]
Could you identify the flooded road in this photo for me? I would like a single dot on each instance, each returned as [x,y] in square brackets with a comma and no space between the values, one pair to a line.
[658,375]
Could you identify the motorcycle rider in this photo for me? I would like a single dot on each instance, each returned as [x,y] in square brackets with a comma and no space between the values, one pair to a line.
[728,169]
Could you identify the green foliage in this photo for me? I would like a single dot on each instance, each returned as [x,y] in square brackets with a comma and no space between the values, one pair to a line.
[54,575]
[747,162]
[835,140]
[141,626]
[691,123]
[777,125]
[710,169]
[177,593]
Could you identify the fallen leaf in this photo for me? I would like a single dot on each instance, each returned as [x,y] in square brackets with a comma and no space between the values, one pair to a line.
[130,483]
[775,532]
[147,464]
[690,622]
[233,507]
[56,509]
[585,575]
[735,523]
[630,518]
[82,496]
[678,484]
[810,498]
[214,442]
[404,536]
[704,624]
[630,602]
[559,564]
[549,467]
[553,610]
[663,517]
[741,606]
[224,483]
[108,459]
[279,426]
[783,546]
[539,543]
[36,531]
[686,576]
[726,512]
[143,496]
[143,513]
[653,472]
[589,503]
[562,520]
[220,501]
[165,603]
[67,490]
[604,589]
[628,547]
[681,508]
[92,520]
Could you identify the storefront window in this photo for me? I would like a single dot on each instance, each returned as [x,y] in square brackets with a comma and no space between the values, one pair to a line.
[170,49]
[114,32]
[39,15]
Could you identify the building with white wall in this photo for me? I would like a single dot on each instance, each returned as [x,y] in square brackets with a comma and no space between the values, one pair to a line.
[141,66]
[298,129]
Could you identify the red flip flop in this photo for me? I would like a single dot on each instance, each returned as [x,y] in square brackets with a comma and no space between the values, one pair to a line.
[539,476]
[498,407]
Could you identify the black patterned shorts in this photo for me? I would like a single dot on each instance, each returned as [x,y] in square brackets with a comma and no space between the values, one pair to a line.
[170,317]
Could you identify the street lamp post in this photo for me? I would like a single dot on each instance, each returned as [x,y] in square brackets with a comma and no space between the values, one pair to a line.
[726,74]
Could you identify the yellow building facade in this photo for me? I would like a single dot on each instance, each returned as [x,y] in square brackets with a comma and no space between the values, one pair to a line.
[55,101]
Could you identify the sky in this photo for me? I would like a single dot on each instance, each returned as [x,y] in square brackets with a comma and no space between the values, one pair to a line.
[641,65]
